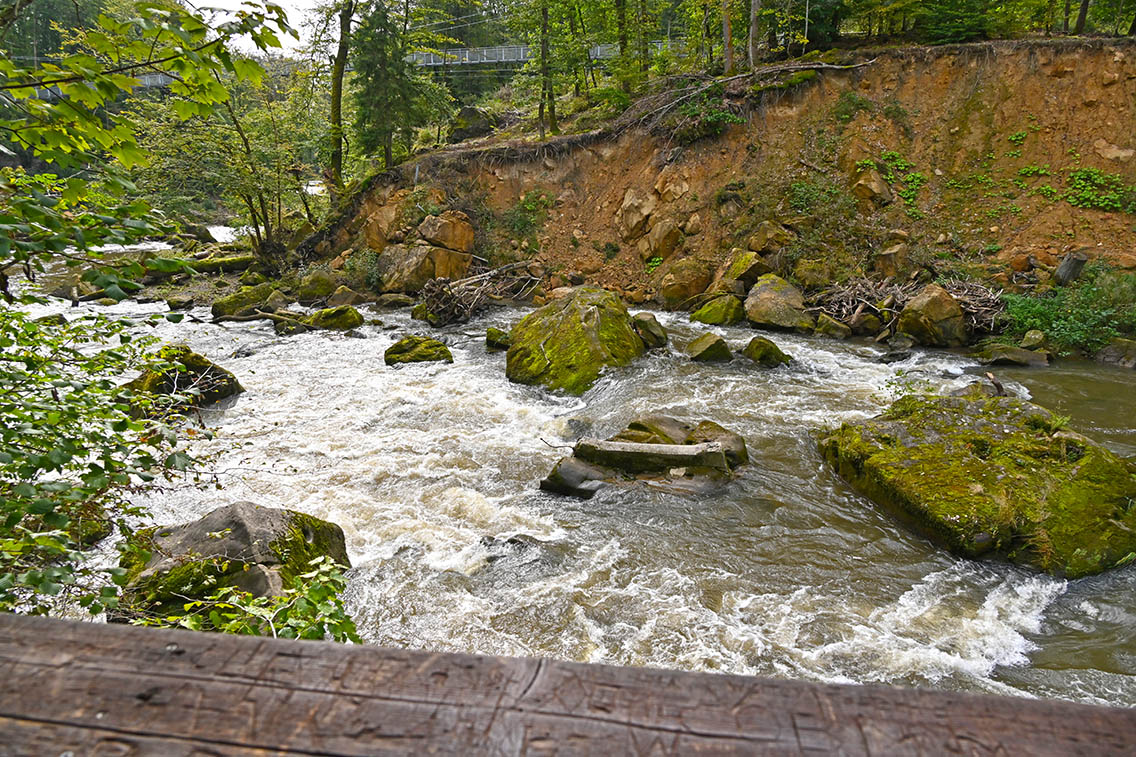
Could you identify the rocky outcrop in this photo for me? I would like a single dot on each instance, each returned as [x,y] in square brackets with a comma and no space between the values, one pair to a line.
[261,550]
[770,237]
[725,310]
[869,187]
[407,268]
[471,122]
[451,230]
[649,329]
[342,318]
[709,348]
[692,458]
[934,318]
[774,303]
[244,301]
[633,213]
[663,239]
[417,349]
[765,353]
[191,380]
[683,281]
[994,476]
[568,343]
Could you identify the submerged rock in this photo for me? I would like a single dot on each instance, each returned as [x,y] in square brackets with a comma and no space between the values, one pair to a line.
[196,380]
[660,449]
[934,318]
[765,353]
[649,329]
[1120,352]
[1004,354]
[709,348]
[720,311]
[774,303]
[994,476]
[566,344]
[417,349]
[261,550]
[342,318]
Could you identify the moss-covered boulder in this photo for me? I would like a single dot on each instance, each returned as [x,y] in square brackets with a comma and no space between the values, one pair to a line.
[765,353]
[683,281]
[994,476]
[1006,354]
[828,326]
[243,301]
[649,329]
[191,378]
[342,318]
[720,311]
[934,318]
[417,349]
[569,342]
[774,303]
[261,550]
[496,340]
[315,286]
[740,272]
[709,348]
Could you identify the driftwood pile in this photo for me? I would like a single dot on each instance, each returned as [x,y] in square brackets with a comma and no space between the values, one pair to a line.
[981,305]
[457,301]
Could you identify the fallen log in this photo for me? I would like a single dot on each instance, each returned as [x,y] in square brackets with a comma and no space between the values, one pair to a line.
[636,457]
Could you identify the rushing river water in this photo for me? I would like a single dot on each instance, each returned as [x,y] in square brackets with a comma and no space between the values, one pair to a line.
[432,470]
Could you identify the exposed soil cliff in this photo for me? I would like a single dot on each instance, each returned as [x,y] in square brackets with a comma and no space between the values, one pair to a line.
[959,158]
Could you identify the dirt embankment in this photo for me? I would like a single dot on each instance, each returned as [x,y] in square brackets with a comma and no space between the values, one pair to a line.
[963,157]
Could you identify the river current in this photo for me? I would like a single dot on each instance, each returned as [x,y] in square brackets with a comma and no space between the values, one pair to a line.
[432,472]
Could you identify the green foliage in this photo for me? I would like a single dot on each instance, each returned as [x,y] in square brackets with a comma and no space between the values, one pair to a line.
[1093,188]
[1082,316]
[1018,137]
[1048,191]
[849,104]
[310,608]
[705,116]
[1032,170]
[809,196]
[529,213]
[653,262]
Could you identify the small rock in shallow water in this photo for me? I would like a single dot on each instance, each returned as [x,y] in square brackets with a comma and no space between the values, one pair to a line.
[417,349]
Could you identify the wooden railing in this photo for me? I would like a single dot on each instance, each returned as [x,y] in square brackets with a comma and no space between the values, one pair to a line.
[77,688]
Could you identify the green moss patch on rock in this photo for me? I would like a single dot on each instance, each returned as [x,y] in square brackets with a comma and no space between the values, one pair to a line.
[569,342]
[496,340]
[342,318]
[994,476]
[315,286]
[765,353]
[720,311]
[417,349]
[261,550]
[193,378]
[243,301]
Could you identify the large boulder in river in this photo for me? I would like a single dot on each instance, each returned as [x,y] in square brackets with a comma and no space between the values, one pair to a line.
[709,348]
[189,378]
[649,329]
[315,286]
[261,550]
[407,268]
[568,343]
[243,301]
[774,303]
[683,281]
[451,230]
[417,349]
[994,476]
[765,353]
[342,318]
[725,310]
[934,318]
[1120,352]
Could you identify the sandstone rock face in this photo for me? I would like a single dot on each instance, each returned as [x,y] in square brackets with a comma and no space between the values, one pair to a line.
[663,239]
[568,343]
[634,212]
[934,318]
[769,237]
[451,230]
[993,475]
[407,268]
[261,550]
[709,348]
[684,280]
[869,186]
[774,303]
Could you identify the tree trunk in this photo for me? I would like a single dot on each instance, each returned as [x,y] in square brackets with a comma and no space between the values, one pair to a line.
[621,35]
[339,66]
[1080,27]
[546,75]
[754,15]
[727,46]
[1132,29]
[1068,10]
[643,54]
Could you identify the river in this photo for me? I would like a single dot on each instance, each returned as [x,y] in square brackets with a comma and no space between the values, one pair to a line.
[432,472]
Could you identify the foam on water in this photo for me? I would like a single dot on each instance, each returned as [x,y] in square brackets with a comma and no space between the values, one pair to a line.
[431,470]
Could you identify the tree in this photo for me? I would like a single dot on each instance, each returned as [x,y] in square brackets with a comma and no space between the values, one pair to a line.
[339,67]
[1081,17]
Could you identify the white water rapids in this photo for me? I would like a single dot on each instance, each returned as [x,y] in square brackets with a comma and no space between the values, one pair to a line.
[432,472]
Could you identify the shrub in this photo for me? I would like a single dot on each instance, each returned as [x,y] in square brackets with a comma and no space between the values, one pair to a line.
[1093,188]
[849,104]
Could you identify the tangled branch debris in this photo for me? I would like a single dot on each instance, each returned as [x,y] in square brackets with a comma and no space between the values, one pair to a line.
[981,305]
[457,301]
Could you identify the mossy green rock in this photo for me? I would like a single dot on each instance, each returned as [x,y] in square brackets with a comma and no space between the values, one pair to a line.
[243,301]
[720,311]
[341,318]
[223,263]
[993,476]
[774,303]
[829,326]
[709,348]
[417,349]
[261,550]
[765,353]
[568,343]
[496,340]
[315,286]
[199,380]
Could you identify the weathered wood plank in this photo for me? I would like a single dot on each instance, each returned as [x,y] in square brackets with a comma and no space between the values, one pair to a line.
[85,688]
[635,457]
